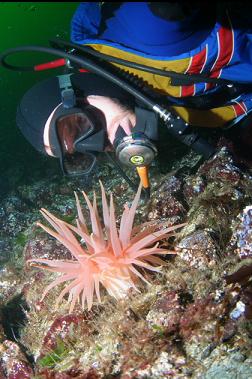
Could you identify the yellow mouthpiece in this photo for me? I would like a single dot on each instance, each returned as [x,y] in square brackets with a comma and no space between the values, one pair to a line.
[144,177]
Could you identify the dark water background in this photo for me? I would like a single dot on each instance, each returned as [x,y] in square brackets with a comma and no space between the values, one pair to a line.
[25,23]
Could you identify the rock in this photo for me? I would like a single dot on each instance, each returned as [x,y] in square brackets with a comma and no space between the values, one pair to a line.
[13,362]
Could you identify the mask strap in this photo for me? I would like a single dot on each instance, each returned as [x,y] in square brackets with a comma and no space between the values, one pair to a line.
[67,93]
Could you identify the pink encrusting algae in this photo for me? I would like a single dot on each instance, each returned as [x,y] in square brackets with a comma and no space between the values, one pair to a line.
[107,256]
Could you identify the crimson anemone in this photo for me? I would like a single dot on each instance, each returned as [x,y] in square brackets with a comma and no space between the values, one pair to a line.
[108,256]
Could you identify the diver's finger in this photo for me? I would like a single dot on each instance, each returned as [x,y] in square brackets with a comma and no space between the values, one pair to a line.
[126,125]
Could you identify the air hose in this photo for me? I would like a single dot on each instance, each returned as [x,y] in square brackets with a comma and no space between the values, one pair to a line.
[84,63]
[187,79]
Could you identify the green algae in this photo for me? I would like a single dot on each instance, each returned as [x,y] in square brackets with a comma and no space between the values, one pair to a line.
[54,356]
[20,239]
[160,331]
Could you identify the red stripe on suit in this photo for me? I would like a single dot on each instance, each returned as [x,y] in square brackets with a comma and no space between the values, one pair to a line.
[196,65]
[240,108]
[225,52]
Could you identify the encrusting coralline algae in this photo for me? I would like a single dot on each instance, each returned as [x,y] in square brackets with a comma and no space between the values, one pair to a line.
[243,233]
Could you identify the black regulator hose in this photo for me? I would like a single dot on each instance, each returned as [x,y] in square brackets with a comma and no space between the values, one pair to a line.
[81,62]
[175,76]
[175,124]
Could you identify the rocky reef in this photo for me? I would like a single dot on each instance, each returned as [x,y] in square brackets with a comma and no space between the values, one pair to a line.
[193,321]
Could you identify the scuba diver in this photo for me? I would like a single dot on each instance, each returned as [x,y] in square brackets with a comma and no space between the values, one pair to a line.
[74,116]
[195,57]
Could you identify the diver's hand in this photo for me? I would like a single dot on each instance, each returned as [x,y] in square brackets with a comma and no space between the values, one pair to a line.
[115,114]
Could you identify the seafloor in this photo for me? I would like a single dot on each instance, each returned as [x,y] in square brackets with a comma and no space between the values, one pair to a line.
[193,321]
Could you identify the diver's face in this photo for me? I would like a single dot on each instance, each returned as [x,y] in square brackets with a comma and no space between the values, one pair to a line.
[70,128]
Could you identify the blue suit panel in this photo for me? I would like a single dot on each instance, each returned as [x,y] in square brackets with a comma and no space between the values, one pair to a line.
[219,47]
[134,25]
